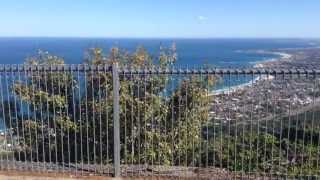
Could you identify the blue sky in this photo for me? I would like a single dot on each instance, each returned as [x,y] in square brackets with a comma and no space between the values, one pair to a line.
[160,18]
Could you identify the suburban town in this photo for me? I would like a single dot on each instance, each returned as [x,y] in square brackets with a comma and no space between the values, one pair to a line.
[267,96]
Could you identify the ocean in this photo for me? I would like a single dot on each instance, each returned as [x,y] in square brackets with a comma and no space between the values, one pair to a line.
[191,52]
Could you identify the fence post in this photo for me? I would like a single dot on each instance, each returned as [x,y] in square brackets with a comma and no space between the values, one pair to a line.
[116,123]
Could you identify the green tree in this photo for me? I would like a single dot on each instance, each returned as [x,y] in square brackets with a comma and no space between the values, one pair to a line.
[157,120]
[45,123]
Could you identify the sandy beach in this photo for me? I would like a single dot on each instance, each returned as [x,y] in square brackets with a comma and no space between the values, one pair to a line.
[282,57]
[261,64]
[240,86]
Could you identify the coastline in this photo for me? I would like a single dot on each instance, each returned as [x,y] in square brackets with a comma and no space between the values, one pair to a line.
[239,87]
[282,57]
[259,64]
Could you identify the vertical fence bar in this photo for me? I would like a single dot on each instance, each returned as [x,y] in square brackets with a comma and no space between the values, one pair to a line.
[11,142]
[100,119]
[93,116]
[42,122]
[116,123]
[66,71]
[107,115]
[132,118]
[22,117]
[5,161]
[80,119]
[73,89]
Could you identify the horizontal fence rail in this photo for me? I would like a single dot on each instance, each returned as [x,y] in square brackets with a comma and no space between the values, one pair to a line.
[159,70]
[154,121]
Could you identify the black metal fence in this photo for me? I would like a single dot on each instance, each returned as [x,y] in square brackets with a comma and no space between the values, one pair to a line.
[148,121]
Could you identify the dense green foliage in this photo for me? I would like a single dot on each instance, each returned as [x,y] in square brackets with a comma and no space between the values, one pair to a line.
[287,145]
[155,125]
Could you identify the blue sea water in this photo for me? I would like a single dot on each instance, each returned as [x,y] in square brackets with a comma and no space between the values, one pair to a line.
[191,52]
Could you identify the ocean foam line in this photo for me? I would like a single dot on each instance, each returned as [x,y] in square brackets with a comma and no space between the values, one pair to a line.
[258,64]
[231,89]
[282,56]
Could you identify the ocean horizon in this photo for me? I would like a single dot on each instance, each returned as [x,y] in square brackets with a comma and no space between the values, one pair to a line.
[219,52]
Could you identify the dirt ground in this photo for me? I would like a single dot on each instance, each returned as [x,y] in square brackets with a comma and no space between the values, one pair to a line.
[18,175]
[215,175]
